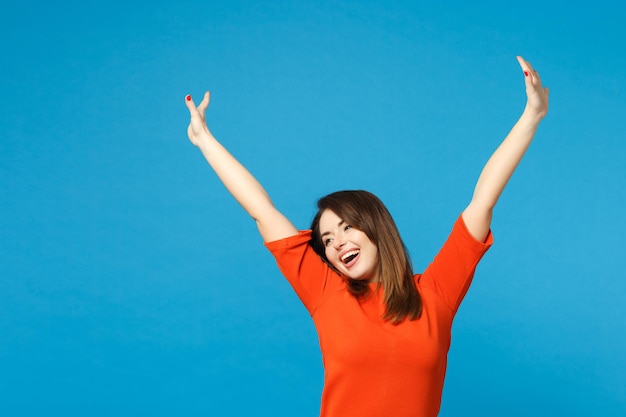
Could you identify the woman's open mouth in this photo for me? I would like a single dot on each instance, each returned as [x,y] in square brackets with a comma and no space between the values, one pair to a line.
[349,258]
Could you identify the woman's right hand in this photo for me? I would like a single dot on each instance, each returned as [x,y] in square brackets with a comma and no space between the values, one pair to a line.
[198,129]
[248,192]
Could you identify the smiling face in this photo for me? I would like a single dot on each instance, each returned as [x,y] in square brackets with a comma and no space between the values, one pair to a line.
[348,249]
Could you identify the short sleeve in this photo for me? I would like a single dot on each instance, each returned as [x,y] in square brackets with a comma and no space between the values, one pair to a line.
[452,270]
[303,268]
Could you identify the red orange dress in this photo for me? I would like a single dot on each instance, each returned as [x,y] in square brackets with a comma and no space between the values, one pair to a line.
[372,367]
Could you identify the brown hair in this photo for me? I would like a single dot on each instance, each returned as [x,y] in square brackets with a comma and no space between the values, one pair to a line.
[365,212]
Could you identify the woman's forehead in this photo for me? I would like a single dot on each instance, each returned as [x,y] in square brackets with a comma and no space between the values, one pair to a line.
[329,219]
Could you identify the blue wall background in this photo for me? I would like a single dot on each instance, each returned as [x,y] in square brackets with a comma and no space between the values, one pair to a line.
[132,283]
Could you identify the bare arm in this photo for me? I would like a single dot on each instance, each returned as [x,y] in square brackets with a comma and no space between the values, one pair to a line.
[248,192]
[502,164]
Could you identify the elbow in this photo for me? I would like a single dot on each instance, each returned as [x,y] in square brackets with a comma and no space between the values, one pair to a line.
[477,219]
[482,206]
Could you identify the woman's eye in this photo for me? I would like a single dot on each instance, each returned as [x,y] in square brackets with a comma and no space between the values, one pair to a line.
[347,227]
[327,242]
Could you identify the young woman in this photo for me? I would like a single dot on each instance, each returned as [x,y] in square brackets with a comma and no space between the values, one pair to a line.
[384,332]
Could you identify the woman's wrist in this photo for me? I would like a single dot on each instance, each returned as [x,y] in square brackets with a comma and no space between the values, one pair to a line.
[204,139]
[533,115]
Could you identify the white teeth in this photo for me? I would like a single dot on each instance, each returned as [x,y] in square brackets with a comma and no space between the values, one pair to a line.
[349,254]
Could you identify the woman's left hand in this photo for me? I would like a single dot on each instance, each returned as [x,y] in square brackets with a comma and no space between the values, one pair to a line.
[536,93]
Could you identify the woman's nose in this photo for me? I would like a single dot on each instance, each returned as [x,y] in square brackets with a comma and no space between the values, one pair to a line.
[338,242]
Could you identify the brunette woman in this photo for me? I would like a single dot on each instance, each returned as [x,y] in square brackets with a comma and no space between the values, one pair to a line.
[384,331]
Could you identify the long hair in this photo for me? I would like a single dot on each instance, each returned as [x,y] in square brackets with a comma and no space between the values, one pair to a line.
[365,212]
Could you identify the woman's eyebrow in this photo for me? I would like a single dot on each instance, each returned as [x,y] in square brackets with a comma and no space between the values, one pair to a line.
[338,225]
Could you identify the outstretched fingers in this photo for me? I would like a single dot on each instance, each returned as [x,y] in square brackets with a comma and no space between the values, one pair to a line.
[530,73]
[204,104]
[537,94]
[528,70]
[189,103]
[197,125]
[201,108]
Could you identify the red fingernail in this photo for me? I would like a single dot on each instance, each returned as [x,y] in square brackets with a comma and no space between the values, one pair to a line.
[526,73]
[189,97]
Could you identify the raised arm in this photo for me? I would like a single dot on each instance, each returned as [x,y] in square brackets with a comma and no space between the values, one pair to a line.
[502,164]
[248,192]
